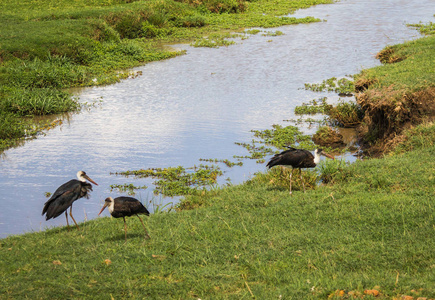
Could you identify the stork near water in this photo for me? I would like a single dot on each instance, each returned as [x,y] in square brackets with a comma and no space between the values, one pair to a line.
[125,207]
[65,195]
[297,158]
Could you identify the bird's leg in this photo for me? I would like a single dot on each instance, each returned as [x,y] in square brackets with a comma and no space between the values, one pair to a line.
[66,216]
[146,232]
[125,229]
[70,213]
[303,185]
[291,173]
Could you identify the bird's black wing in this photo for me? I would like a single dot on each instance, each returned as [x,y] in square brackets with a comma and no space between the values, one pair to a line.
[128,206]
[62,198]
[292,157]
[307,160]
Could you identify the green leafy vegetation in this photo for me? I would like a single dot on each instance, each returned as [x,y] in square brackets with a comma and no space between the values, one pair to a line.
[127,187]
[342,86]
[176,181]
[428,28]
[345,114]
[312,107]
[227,162]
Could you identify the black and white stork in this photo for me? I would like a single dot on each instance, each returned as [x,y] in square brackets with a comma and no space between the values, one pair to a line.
[65,195]
[125,207]
[297,158]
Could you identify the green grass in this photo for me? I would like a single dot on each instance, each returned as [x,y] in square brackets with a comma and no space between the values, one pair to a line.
[408,68]
[371,230]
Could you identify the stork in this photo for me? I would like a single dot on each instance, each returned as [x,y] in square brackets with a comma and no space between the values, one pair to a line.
[65,195]
[297,158]
[125,207]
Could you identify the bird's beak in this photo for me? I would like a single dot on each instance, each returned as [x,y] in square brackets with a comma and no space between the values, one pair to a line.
[104,206]
[88,178]
[328,155]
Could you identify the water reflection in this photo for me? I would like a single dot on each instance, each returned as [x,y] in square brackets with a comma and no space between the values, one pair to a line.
[196,106]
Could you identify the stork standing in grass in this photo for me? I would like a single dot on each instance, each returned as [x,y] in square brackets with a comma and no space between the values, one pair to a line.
[125,207]
[297,158]
[65,195]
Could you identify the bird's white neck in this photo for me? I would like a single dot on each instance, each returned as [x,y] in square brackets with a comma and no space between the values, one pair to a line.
[111,207]
[80,177]
[316,157]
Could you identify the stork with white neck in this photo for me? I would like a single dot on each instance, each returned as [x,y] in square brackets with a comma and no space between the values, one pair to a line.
[65,195]
[125,207]
[297,158]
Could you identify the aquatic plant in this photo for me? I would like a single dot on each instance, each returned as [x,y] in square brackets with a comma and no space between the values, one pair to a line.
[428,29]
[253,31]
[342,86]
[256,152]
[127,187]
[273,33]
[215,40]
[278,137]
[176,181]
[312,107]
[281,137]
[227,162]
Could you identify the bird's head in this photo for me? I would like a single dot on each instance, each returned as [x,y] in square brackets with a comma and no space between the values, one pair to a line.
[81,175]
[108,202]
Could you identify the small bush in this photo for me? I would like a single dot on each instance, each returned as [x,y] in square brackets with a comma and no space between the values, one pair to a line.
[332,170]
[327,136]
[346,114]
[129,26]
[103,32]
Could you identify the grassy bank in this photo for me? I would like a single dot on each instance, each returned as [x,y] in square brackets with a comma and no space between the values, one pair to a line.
[400,93]
[370,232]
[49,46]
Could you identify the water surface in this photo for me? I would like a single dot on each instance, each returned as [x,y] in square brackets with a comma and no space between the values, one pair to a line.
[196,106]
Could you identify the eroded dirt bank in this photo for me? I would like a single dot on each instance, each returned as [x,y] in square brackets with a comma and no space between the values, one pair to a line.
[389,111]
